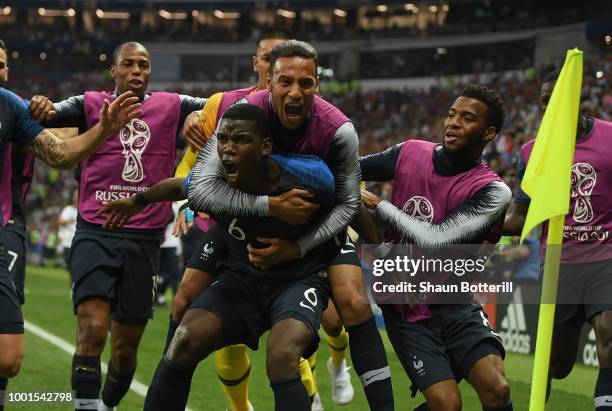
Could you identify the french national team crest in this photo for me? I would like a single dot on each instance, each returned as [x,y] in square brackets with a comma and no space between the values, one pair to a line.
[134,137]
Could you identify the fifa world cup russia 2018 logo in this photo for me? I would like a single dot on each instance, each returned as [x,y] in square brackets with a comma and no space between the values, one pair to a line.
[419,208]
[583,180]
[134,137]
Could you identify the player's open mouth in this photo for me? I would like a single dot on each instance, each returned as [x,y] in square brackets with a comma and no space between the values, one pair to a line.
[293,111]
[231,169]
[136,83]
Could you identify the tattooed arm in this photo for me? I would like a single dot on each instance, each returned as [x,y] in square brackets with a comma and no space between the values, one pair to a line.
[66,153]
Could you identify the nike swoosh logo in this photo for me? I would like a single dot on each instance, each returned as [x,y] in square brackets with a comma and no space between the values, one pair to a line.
[305,306]
[343,251]
[83,404]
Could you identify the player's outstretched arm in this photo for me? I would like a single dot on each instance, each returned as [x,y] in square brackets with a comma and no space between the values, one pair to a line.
[120,211]
[67,153]
[465,224]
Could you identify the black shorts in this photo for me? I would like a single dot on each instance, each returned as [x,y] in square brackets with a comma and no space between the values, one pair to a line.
[122,271]
[11,319]
[584,291]
[211,249]
[443,347]
[15,243]
[248,308]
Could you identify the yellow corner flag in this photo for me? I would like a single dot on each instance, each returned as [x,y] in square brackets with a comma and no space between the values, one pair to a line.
[547,177]
[547,182]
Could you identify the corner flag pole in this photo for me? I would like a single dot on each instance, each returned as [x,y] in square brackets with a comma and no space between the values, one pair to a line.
[539,379]
[547,182]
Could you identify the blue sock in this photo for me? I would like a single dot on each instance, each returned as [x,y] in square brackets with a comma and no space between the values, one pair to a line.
[290,395]
[86,381]
[169,389]
[370,363]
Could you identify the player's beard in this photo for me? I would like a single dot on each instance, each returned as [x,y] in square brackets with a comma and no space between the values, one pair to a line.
[464,154]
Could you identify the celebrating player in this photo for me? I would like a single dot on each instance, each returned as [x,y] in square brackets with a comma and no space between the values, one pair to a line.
[114,274]
[584,269]
[440,344]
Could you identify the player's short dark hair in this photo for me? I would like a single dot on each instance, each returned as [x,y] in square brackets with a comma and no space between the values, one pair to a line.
[250,112]
[121,46]
[553,76]
[275,33]
[293,48]
[3,46]
[495,106]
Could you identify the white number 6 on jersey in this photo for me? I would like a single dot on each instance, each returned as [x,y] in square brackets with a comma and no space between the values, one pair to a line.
[235,231]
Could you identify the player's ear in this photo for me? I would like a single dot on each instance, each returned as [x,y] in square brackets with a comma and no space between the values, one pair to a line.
[266,146]
[254,62]
[490,134]
[269,82]
[113,71]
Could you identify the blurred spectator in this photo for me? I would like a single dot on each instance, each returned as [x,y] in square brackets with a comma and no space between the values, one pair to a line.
[67,227]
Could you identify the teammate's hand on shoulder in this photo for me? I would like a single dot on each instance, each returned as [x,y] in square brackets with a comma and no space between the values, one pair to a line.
[370,200]
[279,250]
[114,116]
[41,108]
[119,212]
[193,132]
[293,206]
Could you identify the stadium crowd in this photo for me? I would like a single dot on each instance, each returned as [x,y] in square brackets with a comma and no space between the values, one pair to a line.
[71,35]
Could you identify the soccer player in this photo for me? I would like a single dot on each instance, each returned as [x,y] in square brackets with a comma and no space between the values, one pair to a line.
[303,123]
[18,168]
[114,274]
[232,363]
[244,301]
[16,177]
[19,128]
[585,258]
[454,198]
